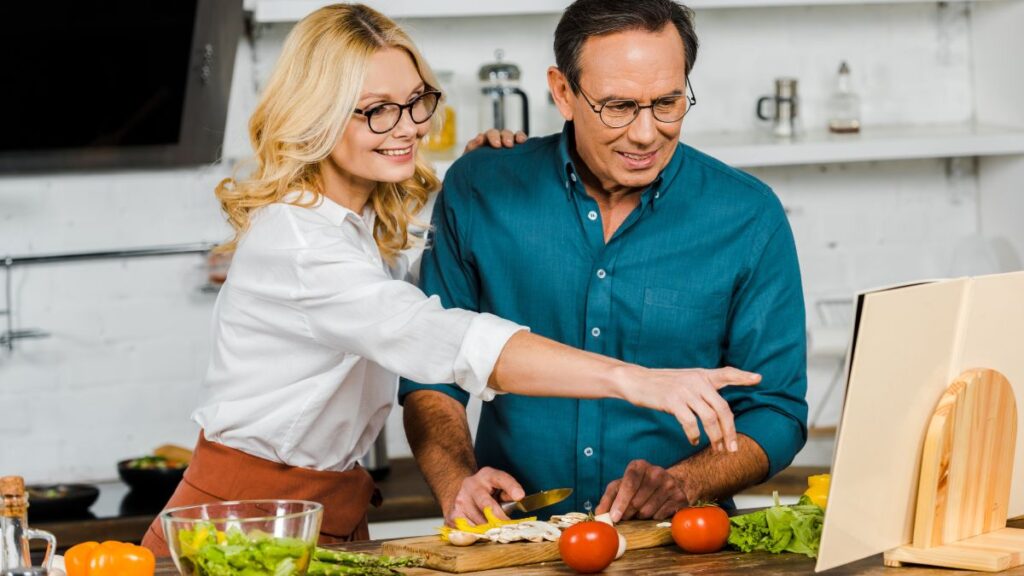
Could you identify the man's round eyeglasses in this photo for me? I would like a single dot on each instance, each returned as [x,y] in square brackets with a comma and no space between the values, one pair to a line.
[620,113]
[382,118]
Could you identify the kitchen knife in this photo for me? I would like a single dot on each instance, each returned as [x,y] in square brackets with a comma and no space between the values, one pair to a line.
[537,501]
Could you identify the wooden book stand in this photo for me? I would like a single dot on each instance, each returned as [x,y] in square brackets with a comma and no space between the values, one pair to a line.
[964,485]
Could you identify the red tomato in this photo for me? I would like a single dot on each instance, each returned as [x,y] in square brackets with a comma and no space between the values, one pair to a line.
[588,546]
[700,529]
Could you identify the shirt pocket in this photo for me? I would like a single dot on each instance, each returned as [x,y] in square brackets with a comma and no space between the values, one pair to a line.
[682,329]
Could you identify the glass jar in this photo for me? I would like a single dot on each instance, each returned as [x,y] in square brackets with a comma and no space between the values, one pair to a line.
[443,135]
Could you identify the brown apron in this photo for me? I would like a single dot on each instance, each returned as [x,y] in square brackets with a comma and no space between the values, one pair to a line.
[219,473]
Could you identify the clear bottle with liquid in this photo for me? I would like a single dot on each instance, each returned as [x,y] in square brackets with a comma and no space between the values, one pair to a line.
[442,135]
[844,105]
[14,531]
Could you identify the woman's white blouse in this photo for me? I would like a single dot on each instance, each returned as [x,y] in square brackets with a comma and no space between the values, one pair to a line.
[311,331]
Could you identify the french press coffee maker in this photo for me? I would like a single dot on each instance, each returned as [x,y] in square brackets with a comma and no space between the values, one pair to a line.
[503,104]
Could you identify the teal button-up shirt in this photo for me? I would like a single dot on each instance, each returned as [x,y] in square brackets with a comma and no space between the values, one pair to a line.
[703,273]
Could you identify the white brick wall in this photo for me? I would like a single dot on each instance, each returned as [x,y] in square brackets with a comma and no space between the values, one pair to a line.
[119,374]
[129,338]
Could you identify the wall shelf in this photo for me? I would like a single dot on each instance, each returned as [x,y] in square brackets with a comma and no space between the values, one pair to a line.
[881,143]
[750,150]
[275,11]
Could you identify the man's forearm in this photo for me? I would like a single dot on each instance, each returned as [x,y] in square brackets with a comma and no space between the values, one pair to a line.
[711,475]
[438,433]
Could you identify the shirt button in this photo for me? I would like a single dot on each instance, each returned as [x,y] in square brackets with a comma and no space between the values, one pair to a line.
[592,215]
[601,273]
[657,194]
[595,332]
[572,176]
[587,506]
[588,451]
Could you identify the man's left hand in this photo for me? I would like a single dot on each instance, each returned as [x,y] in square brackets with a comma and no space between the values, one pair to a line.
[644,491]
[496,139]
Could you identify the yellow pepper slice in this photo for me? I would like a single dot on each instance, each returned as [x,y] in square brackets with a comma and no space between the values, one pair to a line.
[464,525]
[817,489]
[493,521]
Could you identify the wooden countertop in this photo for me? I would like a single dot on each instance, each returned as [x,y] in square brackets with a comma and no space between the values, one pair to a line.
[670,560]
[406,497]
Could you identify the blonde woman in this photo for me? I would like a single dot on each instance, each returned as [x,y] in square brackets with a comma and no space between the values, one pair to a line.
[315,323]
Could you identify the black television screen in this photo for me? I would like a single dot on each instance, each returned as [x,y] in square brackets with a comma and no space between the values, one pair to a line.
[115,83]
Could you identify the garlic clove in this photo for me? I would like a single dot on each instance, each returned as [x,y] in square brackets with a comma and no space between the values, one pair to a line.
[460,538]
[622,547]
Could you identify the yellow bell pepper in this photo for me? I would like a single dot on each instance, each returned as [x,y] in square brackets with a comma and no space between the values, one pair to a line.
[493,521]
[817,489]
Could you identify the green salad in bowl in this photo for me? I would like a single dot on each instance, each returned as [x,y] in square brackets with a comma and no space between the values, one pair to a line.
[263,538]
[208,551]
[245,538]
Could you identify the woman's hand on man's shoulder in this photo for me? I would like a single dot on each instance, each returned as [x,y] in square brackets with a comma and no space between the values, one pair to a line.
[496,139]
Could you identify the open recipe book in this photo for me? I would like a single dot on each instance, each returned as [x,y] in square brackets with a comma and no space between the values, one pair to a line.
[909,343]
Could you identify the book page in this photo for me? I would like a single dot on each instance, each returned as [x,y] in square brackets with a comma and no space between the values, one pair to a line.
[994,338]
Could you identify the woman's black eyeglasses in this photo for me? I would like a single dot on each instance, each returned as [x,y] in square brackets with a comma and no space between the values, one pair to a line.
[384,117]
[621,113]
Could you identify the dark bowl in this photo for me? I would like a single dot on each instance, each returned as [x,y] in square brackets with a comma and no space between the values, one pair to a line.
[55,501]
[150,481]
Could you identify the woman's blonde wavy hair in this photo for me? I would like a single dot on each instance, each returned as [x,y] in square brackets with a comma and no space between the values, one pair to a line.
[307,103]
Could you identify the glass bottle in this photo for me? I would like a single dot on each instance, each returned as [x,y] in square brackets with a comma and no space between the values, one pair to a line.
[844,105]
[442,136]
[14,531]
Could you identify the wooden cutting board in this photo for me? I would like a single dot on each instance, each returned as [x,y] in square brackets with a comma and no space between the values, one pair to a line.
[485,556]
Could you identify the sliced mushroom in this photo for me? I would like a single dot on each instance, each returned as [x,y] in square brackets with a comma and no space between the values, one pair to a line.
[567,520]
[531,530]
[606,518]
[510,533]
[539,531]
[532,533]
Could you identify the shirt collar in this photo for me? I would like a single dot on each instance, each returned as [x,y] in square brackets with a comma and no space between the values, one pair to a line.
[568,169]
[329,209]
[654,193]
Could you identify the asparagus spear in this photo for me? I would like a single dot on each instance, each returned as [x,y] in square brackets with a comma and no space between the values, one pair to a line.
[331,562]
[326,569]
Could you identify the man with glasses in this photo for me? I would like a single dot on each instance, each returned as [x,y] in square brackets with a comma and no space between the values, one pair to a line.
[615,238]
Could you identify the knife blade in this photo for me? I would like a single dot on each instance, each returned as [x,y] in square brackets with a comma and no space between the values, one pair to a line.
[537,501]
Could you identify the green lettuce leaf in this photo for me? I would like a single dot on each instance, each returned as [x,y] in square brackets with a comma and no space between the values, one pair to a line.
[780,528]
